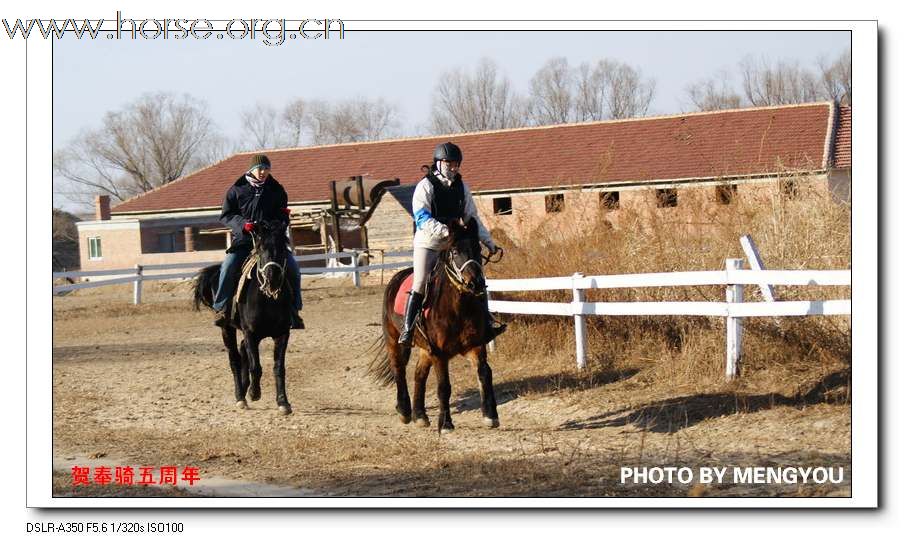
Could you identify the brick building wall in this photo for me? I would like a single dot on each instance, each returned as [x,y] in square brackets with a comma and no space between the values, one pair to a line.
[119,246]
[581,210]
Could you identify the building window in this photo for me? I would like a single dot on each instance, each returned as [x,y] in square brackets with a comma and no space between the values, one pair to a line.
[609,200]
[555,203]
[502,206]
[790,190]
[166,243]
[725,194]
[666,197]
[94,248]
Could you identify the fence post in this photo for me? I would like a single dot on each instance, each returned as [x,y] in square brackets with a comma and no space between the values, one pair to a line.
[136,285]
[733,294]
[580,328]
[356,275]
[491,346]
[756,263]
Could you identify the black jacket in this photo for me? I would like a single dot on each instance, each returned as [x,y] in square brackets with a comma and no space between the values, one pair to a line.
[244,203]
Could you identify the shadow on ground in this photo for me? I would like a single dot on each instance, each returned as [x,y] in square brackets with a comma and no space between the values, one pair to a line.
[674,414]
[541,384]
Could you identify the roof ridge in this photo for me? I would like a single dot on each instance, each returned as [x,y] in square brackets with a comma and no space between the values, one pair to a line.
[164,185]
[536,128]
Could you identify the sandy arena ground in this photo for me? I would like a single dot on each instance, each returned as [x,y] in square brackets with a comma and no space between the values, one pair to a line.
[150,385]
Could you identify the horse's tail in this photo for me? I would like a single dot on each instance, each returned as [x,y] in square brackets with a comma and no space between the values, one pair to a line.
[205,285]
[379,368]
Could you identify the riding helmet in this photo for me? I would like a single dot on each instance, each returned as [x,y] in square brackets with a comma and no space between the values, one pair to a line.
[447,151]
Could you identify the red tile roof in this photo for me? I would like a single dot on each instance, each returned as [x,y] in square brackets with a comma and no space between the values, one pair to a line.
[842,152]
[689,146]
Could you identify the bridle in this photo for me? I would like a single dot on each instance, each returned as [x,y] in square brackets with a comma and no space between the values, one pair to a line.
[455,274]
[262,282]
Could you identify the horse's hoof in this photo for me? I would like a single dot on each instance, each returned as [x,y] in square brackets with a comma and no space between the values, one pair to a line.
[241,404]
[285,409]
[446,429]
[405,419]
[423,422]
[254,395]
[490,423]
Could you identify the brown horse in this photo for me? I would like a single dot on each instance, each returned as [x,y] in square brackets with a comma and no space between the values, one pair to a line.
[455,325]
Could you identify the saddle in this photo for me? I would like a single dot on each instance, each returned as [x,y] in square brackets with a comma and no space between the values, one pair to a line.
[401,298]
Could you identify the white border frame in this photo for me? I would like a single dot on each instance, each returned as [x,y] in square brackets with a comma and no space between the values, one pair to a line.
[865,297]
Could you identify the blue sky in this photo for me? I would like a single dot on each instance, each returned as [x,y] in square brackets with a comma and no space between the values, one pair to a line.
[93,77]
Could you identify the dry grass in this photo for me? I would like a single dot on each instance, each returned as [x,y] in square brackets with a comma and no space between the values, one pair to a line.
[782,356]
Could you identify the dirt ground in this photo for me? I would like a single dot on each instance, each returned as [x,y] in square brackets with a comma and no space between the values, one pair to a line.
[150,385]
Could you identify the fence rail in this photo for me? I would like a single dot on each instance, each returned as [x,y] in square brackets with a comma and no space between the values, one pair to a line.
[137,274]
[733,309]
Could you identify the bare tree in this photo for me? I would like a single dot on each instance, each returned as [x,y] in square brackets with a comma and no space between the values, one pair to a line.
[378,119]
[482,101]
[612,90]
[65,240]
[551,93]
[351,121]
[216,148]
[714,93]
[293,121]
[836,78]
[148,143]
[778,83]
[261,127]
[317,121]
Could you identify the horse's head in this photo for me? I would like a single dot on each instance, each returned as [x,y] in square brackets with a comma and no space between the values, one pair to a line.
[463,257]
[271,246]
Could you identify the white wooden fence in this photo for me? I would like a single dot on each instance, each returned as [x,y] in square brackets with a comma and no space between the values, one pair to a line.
[139,273]
[733,309]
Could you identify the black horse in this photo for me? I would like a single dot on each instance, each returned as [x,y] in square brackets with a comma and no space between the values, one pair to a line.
[455,325]
[264,309]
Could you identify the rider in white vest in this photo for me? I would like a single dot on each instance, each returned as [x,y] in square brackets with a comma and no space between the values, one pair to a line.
[439,199]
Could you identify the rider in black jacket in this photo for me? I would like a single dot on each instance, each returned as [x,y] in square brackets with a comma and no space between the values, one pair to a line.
[255,196]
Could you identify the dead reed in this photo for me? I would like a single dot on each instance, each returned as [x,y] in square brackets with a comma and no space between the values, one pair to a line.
[803,229]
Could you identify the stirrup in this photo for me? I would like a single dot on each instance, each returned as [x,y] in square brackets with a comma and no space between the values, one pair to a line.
[406,337]
[221,318]
[494,329]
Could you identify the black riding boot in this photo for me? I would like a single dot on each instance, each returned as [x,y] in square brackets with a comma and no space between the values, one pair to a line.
[412,309]
[494,328]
